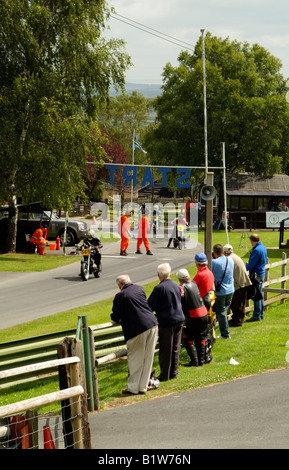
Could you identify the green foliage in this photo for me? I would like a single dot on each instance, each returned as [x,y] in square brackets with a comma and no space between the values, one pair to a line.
[246,109]
[55,70]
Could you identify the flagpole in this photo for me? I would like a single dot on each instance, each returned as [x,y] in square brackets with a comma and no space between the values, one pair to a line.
[131,190]
[205,100]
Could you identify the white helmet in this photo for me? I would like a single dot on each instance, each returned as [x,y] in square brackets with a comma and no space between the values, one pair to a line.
[90,233]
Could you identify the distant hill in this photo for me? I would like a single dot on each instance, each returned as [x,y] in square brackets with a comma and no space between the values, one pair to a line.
[149,91]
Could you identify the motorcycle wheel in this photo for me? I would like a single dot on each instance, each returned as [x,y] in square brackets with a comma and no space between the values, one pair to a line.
[84,270]
[180,244]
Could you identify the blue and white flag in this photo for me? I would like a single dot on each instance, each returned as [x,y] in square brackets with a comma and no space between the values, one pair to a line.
[136,144]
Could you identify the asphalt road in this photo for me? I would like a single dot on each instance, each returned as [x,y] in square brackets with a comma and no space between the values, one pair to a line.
[249,413]
[28,296]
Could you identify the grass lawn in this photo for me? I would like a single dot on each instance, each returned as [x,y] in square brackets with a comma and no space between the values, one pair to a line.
[257,347]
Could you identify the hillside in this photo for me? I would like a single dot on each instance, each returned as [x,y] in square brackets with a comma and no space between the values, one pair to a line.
[147,90]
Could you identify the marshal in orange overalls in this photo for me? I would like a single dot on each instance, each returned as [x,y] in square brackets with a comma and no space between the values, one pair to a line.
[38,239]
[143,229]
[123,229]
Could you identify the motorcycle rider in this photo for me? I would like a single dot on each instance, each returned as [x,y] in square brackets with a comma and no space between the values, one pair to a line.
[94,241]
[181,220]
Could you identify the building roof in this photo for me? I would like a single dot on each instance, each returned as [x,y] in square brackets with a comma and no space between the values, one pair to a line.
[257,185]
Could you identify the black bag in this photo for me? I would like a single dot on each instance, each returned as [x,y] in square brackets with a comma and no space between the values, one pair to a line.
[218,284]
[253,291]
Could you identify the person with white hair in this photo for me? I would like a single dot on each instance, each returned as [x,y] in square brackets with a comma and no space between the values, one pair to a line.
[165,300]
[197,322]
[241,284]
[140,329]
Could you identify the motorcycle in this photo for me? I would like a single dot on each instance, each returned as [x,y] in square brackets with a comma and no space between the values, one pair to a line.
[88,265]
[179,239]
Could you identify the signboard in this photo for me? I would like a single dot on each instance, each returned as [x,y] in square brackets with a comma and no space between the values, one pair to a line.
[129,174]
[273,219]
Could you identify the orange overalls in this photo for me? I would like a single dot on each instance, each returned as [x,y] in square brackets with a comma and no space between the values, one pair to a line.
[123,229]
[143,229]
[38,239]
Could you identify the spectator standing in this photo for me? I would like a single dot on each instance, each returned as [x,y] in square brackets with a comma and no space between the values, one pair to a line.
[204,278]
[241,284]
[165,300]
[205,282]
[256,268]
[139,325]
[189,205]
[223,270]
[196,323]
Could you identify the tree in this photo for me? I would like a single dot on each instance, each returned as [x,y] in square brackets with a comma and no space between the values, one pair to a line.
[126,112]
[246,109]
[97,175]
[55,71]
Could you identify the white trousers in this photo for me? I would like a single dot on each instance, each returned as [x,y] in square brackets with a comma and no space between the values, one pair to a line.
[140,356]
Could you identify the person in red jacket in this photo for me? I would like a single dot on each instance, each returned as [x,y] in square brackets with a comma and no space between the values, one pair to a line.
[143,230]
[204,278]
[123,230]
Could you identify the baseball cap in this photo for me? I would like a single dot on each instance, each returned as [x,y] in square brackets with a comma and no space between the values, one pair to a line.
[228,249]
[201,258]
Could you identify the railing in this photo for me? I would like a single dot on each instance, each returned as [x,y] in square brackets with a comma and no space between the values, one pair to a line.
[282,292]
[75,391]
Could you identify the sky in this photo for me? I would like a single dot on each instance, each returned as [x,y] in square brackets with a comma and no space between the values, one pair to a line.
[265,22]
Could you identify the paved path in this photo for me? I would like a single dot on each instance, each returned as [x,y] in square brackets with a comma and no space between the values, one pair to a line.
[248,413]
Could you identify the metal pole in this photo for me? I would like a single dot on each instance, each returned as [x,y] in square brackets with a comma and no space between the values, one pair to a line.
[131,190]
[225,192]
[205,100]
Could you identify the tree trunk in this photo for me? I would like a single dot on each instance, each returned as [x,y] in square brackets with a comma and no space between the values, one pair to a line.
[12,224]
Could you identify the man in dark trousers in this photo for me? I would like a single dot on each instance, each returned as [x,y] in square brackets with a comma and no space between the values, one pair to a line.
[140,329]
[165,300]
[197,321]
[256,267]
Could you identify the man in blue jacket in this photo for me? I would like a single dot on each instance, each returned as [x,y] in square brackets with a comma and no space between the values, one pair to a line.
[140,329]
[223,270]
[256,268]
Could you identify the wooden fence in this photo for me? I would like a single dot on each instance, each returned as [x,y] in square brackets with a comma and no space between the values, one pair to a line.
[75,391]
[282,292]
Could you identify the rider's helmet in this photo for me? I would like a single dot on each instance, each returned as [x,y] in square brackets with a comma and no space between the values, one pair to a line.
[90,233]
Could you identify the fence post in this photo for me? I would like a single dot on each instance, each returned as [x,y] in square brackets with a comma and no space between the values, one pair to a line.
[94,371]
[283,273]
[265,294]
[84,333]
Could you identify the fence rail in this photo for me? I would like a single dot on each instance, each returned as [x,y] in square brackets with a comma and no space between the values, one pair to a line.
[75,391]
